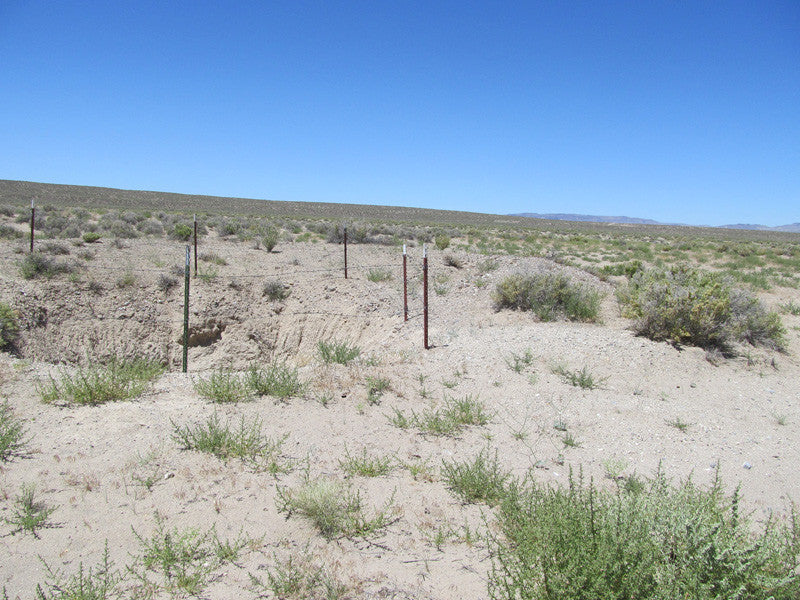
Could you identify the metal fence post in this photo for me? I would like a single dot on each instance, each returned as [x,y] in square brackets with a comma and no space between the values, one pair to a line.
[345,252]
[425,295]
[33,219]
[185,364]
[405,286]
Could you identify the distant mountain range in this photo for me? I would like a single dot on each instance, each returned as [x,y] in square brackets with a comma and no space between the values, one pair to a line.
[793,227]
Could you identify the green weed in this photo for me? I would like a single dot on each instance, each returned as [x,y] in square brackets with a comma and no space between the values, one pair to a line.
[549,296]
[481,480]
[28,513]
[337,352]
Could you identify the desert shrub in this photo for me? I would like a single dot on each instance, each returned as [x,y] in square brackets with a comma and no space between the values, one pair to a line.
[549,296]
[7,211]
[37,264]
[270,238]
[166,282]
[90,237]
[448,419]
[181,232]
[120,379]
[121,229]
[9,326]
[55,248]
[7,232]
[451,260]
[654,540]
[150,227]
[688,306]
[337,352]
[442,241]
[276,290]
[213,258]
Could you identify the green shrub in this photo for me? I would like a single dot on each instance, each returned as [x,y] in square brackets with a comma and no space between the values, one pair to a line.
[277,380]
[181,232]
[442,241]
[224,440]
[688,306]
[549,296]
[482,480]
[224,387]
[276,290]
[377,275]
[118,380]
[9,326]
[37,264]
[29,514]
[651,540]
[448,419]
[337,352]
[270,239]
[90,237]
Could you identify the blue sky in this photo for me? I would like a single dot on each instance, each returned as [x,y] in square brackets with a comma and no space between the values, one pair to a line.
[676,111]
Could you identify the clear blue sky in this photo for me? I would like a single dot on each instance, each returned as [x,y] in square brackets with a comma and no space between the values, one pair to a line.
[676,111]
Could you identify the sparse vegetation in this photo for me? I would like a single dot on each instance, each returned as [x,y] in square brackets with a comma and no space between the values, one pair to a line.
[518,362]
[225,440]
[337,352]
[582,379]
[376,387]
[549,296]
[120,379]
[37,264]
[99,583]
[333,508]
[12,433]
[224,387]
[448,419]
[481,480]
[365,465]
[301,578]
[276,379]
[28,514]
[377,275]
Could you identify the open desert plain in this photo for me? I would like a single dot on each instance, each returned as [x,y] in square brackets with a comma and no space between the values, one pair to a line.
[316,449]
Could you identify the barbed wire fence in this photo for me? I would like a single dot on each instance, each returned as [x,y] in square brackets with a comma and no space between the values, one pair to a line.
[350,266]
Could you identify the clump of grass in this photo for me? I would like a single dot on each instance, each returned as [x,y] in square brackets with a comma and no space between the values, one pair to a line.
[184,559]
[225,440]
[9,326]
[687,306]
[378,275]
[570,441]
[301,578]
[224,387]
[442,241]
[488,265]
[448,419]
[333,508]
[29,514]
[518,362]
[582,379]
[120,379]
[276,290]
[213,258]
[791,307]
[481,480]
[648,540]
[166,282]
[91,237]
[96,583]
[365,465]
[37,264]
[337,352]
[12,433]
[678,424]
[276,379]
[549,296]
[376,387]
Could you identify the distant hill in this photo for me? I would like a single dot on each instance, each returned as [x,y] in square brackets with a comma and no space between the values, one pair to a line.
[589,218]
[792,227]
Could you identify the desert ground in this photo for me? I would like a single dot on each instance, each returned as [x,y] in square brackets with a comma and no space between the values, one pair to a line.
[115,475]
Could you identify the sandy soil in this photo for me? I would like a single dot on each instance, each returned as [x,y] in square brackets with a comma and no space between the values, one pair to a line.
[91,462]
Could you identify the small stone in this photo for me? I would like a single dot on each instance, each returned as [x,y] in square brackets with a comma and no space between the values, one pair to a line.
[747,465]
[169,475]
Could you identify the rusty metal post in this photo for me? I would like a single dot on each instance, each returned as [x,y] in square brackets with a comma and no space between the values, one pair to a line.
[195,245]
[405,286]
[425,295]
[185,364]
[345,252]
[33,219]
